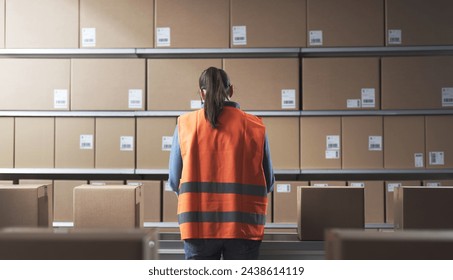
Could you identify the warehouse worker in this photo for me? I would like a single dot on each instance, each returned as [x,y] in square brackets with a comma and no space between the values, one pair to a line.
[221,169]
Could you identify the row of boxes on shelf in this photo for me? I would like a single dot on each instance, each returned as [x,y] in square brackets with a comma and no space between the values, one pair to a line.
[370,83]
[229,23]
[348,142]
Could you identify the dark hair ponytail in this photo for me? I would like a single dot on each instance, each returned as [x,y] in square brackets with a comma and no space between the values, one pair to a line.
[217,86]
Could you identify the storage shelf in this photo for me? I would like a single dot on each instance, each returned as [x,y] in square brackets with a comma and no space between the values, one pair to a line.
[69,53]
[376,51]
[376,171]
[220,52]
[67,114]
[59,171]
[375,112]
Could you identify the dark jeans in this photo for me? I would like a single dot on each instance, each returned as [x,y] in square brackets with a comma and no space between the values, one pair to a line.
[227,249]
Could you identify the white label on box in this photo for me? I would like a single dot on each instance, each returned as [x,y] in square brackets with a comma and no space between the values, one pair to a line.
[353,103]
[166,143]
[60,98]
[126,143]
[239,35]
[433,184]
[315,38]
[436,158]
[86,142]
[368,97]
[332,154]
[395,37]
[375,143]
[332,142]
[391,186]
[418,158]
[358,184]
[283,188]
[288,98]
[447,97]
[163,37]
[167,187]
[135,99]
[320,185]
[88,37]
[196,104]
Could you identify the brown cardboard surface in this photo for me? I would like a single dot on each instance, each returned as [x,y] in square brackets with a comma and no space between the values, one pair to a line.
[269,208]
[152,194]
[170,204]
[374,200]
[420,22]
[2,24]
[70,150]
[173,83]
[106,182]
[261,83]
[34,142]
[151,133]
[341,83]
[423,208]
[389,197]
[359,151]
[285,201]
[78,244]
[439,139]
[118,23]
[6,182]
[416,82]
[269,23]
[109,152]
[63,200]
[344,244]
[194,24]
[24,206]
[50,24]
[320,208]
[110,206]
[7,140]
[283,137]
[327,183]
[107,84]
[31,84]
[437,183]
[404,137]
[313,142]
[346,23]
[50,194]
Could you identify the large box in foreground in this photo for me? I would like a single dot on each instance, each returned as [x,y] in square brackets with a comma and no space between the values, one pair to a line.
[320,208]
[109,206]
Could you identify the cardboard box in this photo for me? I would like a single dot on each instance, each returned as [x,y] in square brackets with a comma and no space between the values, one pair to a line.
[422,82]
[283,137]
[169,204]
[41,84]
[347,23]
[167,93]
[327,183]
[268,23]
[192,24]
[416,23]
[374,200]
[74,142]
[63,200]
[285,201]
[404,142]
[111,206]
[24,206]
[6,182]
[344,244]
[50,194]
[437,183]
[2,24]
[389,197]
[439,139]
[106,182]
[321,208]
[108,84]
[152,195]
[115,143]
[7,140]
[116,24]
[320,143]
[362,142]
[264,83]
[154,141]
[48,24]
[78,244]
[423,208]
[34,142]
[341,83]
[269,208]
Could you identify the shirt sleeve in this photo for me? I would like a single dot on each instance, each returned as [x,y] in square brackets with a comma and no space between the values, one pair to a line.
[175,163]
[267,166]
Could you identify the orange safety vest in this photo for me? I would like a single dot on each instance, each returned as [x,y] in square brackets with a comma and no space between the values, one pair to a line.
[222,191]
